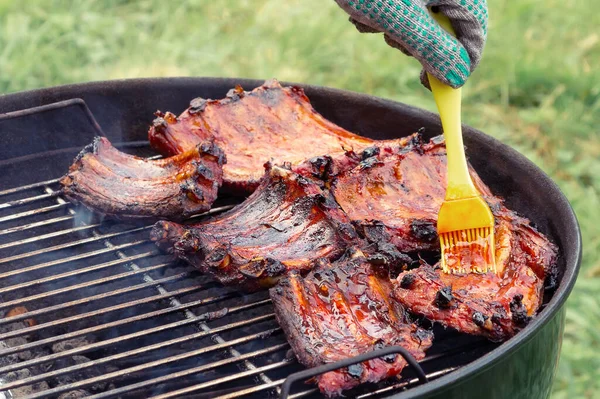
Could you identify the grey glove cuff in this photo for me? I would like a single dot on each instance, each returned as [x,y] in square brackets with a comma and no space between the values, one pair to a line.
[470,28]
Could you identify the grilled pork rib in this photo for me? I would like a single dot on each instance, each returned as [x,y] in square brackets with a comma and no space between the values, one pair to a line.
[341,310]
[495,306]
[289,222]
[270,123]
[390,194]
[396,198]
[286,224]
[116,184]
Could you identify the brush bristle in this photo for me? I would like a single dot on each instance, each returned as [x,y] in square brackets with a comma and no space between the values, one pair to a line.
[468,251]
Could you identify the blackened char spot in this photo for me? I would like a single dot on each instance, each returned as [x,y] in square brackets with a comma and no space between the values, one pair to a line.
[369,163]
[355,370]
[416,142]
[236,93]
[374,231]
[443,298]
[497,318]
[211,148]
[203,171]
[346,231]
[391,358]
[422,335]
[407,281]
[91,148]
[369,152]
[217,255]
[321,167]
[197,105]
[479,318]
[303,181]
[377,259]
[188,187]
[424,230]
[160,124]
[395,257]
[388,261]
[274,267]
[519,311]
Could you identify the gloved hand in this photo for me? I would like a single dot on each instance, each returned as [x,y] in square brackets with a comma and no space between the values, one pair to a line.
[408,27]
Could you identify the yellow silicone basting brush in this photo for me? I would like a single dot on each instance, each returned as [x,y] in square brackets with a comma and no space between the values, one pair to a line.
[465,223]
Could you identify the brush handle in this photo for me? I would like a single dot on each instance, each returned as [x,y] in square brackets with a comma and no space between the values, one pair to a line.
[448,101]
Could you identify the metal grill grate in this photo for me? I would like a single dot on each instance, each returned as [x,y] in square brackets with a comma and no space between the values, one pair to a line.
[142,323]
[91,308]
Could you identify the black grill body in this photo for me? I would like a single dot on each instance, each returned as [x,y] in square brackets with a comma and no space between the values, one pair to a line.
[226,344]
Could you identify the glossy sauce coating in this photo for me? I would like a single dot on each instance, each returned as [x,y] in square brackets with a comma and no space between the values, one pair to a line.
[286,224]
[343,309]
[120,185]
[469,252]
[268,124]
[493,305]
[396,197]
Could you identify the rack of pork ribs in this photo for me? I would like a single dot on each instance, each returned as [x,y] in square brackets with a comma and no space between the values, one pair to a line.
[334,237]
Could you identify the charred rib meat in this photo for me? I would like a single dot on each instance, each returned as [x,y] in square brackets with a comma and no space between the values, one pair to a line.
[396,198]
[286,224]
[270,123]
[495,306]
[341,310]
[116,184]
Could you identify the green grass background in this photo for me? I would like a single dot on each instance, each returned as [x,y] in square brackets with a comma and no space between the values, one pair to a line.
[537,88]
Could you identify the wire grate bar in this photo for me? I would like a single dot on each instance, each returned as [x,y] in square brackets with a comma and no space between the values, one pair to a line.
[21,228]
[248,391]
[38,211]
[48,235]
[77,272]
[56,220]
[33,225]
[184,373]
[122,355]
[29,200]
[29,186]
[92,298]
[103,280]
[232,377]
[305,393]
[406,384]
[70,259]
[73,244]
[125,305]
[160,362]
[62,337]
[242,392]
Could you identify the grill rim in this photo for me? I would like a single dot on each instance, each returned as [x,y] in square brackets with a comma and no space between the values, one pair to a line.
[566,216]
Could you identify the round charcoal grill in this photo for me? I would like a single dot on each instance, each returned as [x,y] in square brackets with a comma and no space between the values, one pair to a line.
[89,307]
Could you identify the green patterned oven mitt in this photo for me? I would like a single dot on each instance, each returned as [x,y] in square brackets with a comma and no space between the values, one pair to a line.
[407,26]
